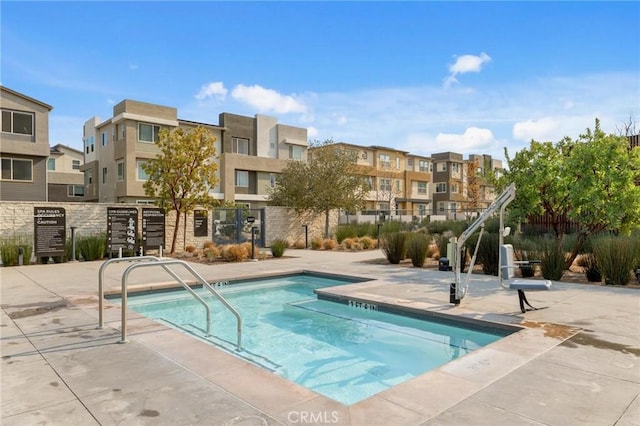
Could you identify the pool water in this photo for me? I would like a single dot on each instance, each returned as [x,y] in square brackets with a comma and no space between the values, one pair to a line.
[343,352]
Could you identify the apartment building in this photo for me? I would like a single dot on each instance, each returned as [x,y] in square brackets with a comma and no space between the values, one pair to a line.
[64,176]
[251,152]
[399,181]
[25,147]
[460,187]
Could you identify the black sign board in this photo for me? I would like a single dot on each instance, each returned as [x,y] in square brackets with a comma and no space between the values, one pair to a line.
[200,223]
[49,231]
[122,228]
[152,228]
[251,219]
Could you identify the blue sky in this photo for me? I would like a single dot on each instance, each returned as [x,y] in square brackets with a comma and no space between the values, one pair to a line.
[470,77]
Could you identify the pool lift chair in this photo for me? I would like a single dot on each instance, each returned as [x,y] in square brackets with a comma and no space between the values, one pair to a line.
[455,249]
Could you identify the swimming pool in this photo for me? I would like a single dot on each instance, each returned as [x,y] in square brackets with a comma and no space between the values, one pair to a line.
[347,352]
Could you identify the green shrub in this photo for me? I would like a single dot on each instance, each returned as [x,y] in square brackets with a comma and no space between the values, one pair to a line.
[616,257]
[9,250]
[367,242]
[91,247]
[552,258]
[417,249]
[316,243]
[394,246]
[278,247]
[488,252]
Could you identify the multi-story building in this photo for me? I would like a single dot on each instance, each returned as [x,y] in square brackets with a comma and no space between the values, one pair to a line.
[461,188]
[399,182]
[25,147]
[65,180]
[251,152]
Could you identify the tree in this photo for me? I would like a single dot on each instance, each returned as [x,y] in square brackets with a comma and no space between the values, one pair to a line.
[591,180]
[328,181]
[472,203]
[181,175]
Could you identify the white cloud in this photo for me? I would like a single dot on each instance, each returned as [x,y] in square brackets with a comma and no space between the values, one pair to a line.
[212,90]
[267,100]
[543,129]
[465,64]
[473,140]
[111,101]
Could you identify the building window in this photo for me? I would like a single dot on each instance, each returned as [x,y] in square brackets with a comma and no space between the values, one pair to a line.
[295,152]
[422,209]
[240,145]
[142,174]
[370,183]
[385,161]
[453,207]
[397,163]
[104,175]
[454,188]
[442,167]
[422,187]
[441,187]
[89,177]
[17,122]
[75,164]
[455,167]
[148,132]
[384,208]
[242,178]
[425,166]
[410,163]
[441,207]
[398,185]
[51,164]
[120,130]
[17,169]
[120,174]
[147,202]
[385,184]
[364,155]
[104,138]
[75,190]
[272,180]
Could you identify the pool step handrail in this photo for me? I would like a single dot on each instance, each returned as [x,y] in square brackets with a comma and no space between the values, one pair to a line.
[164,263]
[101,280]
[213,291]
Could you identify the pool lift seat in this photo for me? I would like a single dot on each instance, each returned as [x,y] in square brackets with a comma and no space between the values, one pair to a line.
[510,282]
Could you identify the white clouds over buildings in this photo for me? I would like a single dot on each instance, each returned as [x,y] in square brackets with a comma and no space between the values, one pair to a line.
[212,90]
[267,100]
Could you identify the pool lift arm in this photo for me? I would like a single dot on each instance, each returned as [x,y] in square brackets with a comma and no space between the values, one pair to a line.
[458,290]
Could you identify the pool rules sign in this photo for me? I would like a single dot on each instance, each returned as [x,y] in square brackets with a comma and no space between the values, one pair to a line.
[122,229]
[49,231]
[152,228]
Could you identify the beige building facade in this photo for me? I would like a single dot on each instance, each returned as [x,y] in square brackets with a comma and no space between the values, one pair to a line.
[24,147]
[64,175]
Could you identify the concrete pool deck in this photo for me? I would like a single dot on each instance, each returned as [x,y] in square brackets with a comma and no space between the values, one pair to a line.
[575,363]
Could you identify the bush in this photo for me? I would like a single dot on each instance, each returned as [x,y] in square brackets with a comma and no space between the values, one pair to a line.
[92,247]
[367,243]
[190,249]
[211,253]
[329,244]
[616,257]
[441,241]
[591,270]
[208,244]
[299,244]
[552,258]
[9,250]
[488,252]
[278,247]
[316,243]
[234,253]
[394,246]
[417,249]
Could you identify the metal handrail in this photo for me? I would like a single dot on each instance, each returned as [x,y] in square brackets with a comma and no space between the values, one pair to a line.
[164,263]
[101,280]
[230,308]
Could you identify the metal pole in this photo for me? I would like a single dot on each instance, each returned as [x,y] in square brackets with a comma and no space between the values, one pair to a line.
[73,243]
[306,236]
[253,242]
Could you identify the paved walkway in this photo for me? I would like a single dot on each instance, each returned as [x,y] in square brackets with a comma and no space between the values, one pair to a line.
[575,363]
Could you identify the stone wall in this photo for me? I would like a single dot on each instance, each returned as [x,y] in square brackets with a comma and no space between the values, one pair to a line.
[16,219]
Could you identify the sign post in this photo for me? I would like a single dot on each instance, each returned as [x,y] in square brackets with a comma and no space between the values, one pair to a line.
[153,228]
[122,229]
